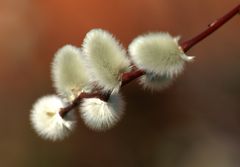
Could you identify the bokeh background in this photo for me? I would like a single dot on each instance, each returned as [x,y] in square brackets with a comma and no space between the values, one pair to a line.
[194,123]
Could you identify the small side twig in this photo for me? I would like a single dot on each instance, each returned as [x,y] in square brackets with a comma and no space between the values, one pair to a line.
[136,73]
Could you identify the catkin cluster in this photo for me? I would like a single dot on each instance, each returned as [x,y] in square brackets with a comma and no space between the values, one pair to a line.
[99,65]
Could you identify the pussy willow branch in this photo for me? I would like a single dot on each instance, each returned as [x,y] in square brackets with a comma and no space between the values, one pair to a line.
[135,73]
[211,28]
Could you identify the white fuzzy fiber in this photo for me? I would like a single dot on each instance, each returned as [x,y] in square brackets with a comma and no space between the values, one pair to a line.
[159,53]
[155,82]
[46,120]
[100,115]
[106,58]
[69,72]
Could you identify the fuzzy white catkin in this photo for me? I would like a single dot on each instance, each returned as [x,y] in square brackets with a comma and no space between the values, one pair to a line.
[100,115]
[155,82]
[69,72]
[46,120]
[106,58]
[158,53]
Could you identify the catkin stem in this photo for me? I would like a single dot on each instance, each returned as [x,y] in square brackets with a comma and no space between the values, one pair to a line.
[132,75]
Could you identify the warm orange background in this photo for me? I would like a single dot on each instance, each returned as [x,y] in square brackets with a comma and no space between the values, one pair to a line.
[194,123]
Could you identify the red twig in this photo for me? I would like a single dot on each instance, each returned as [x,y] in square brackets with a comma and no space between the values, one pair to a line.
[132,75]
[211,28]
[76,102]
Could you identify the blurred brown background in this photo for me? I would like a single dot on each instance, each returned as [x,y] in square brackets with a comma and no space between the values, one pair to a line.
[194,123]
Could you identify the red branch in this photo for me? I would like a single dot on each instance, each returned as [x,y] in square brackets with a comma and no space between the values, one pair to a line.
[134,74]
[211,28]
